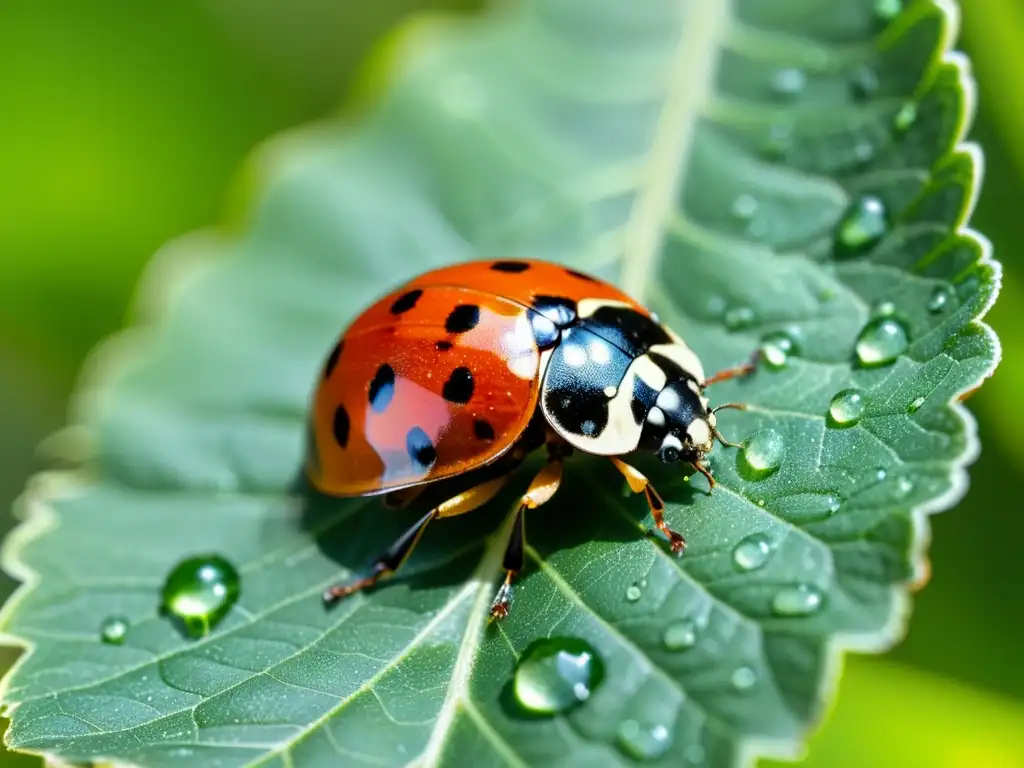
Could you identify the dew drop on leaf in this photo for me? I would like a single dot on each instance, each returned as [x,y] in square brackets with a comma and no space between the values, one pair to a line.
[885,309]
[846,408]
[744,206]
[642,741]
[887,10]
[915,405]
[801,600]
[788,82]
[680,636]
[939,300]
[905,118]
[633,593]
[752,552]
[556,674]
[863,224]
[200,591]
[113,630]
[881,341]
[763,452]
[776,349]
[738,318]
[743,678]
[864,83]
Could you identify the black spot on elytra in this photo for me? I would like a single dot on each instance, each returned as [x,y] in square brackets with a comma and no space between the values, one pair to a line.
[382,388]
[510,266]
[406,301]
[631,331]
[581,276]
[332,359]
[482,430]
[443,346]
[558,309]
[463,318]
[459,387]
[420,449]
[341,426]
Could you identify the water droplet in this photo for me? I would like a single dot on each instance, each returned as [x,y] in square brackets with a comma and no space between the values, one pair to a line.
[915,405]
[905,118]
[642,741]
[739,318]
[788,82]
[556,674]
[200,591]
[752,552]
[887,10]
[743,678]
[846,408]
[940,298]
[680,636]
[881,474]
[863,152]
[903,487]
[779,141]
[776,349]
[716,306]
[863,224]
[881,341]
[744,206]
[113,630]
[885,309]
[763,452]
[801,600]
[633,593]
[864,83]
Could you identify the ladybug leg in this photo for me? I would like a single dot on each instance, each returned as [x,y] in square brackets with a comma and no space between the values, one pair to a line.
[542,488]
[739,370]
[402,499]
[638,483]
[706,472]
[398,553]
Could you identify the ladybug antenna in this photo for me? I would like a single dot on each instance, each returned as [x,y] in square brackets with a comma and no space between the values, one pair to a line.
[720,437]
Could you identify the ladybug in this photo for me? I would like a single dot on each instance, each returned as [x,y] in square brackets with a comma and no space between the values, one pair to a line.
[466,369]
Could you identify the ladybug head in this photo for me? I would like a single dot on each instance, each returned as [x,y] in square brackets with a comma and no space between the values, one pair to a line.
[679,426]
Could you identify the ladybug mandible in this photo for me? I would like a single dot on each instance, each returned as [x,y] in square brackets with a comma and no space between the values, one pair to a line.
[467,369]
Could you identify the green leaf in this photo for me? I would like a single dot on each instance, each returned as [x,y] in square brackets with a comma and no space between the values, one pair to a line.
[704,156]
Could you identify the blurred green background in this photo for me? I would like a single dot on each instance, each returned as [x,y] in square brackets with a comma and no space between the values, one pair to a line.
[124,124]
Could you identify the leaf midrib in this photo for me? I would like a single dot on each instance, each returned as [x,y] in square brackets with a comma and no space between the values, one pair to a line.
[690,87]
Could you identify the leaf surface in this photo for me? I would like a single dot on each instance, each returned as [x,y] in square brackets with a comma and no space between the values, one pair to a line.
[705,155]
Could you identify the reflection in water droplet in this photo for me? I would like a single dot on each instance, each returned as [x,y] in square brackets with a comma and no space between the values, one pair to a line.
[633,593]
[788,82]
[113,630]
[905,118]
[200,591]
[642,741]
[752,552]
[915,405]
[939,300]
[776,349]
[743,678]
[763,452]
[864,83]
[744,206]
[680,636]
[738,318]
[863,224]
[556,674]
[801,600]
[881,342]
[846,408]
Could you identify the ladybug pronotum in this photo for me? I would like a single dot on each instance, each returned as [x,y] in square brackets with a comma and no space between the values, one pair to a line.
[467,369]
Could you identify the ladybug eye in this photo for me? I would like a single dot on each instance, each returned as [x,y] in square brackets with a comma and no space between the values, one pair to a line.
[670,449]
